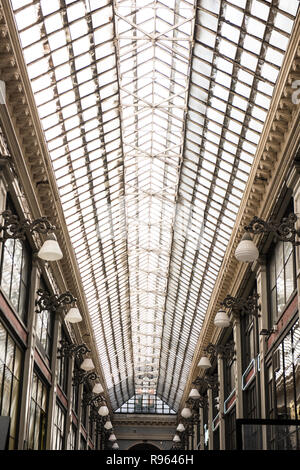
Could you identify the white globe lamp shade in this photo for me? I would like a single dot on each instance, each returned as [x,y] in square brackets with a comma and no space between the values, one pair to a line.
[194,393]
[186,413]
[221,319]
[108,425]
[115,446]
[246,250]
[176,438]
[112,437]
[180,427]
[204,363]
[73,315]
[50,250]
[103,410]
[97,388]
[87,365]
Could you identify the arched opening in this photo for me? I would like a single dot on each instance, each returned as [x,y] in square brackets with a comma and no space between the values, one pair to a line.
[144,446]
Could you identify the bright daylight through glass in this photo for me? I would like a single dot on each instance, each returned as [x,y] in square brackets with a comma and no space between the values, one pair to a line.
[152,113]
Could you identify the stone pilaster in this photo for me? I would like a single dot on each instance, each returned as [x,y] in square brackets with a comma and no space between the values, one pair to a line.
[222,429]
[210,419]
[238,366]
[53,389]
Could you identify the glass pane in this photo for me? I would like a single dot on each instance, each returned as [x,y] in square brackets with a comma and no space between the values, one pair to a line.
[272,272]
[280,292]
[6,270]
[288,249]
[6,397]
[10,354]
[279,257]
[2,343]
[22,300]
[37,428]
[289,276]
[14,407]
[34,387]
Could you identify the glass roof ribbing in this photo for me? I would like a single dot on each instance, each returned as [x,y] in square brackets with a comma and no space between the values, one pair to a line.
[145,403]
[152,112]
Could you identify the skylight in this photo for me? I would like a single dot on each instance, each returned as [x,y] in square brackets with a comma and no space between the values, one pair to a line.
[152,112]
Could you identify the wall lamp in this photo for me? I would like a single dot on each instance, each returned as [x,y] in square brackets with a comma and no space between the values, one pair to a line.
[14,228]
[103,410]
[186,413]
[87,365]
[180,427]
[108,425]
[226,351]
[267,333]
[54,302]
[194,394]
[285,231]
[239,306]
[97,388]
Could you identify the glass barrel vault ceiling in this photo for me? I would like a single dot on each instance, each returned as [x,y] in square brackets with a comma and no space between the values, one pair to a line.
[152,112]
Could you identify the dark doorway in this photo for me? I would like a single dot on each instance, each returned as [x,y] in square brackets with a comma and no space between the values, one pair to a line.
[144,446]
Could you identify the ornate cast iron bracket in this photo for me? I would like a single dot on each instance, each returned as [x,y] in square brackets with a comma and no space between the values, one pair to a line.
[284,231]
[197,403]
[227,351]
[72,350]
[16,229]
[207,381]
[53,302]
[90,399]
[241,306]
[177,446]
[80,376]
[99,420]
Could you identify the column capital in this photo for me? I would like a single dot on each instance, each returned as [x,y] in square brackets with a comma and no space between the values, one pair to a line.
[259,265]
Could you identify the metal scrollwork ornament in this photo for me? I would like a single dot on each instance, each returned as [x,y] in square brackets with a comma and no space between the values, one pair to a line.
[196,403]
[80,376]
[68,349]
[226,351]
[90,399]
[284,231]
[52,302]
[207,381]
[242,306]
[15,228]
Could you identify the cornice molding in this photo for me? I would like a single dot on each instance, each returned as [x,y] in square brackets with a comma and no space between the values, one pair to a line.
[144,420]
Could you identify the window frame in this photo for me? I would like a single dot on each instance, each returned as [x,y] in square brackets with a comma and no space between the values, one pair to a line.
[42,416]
[273,317]
[17,346]
[49,330]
